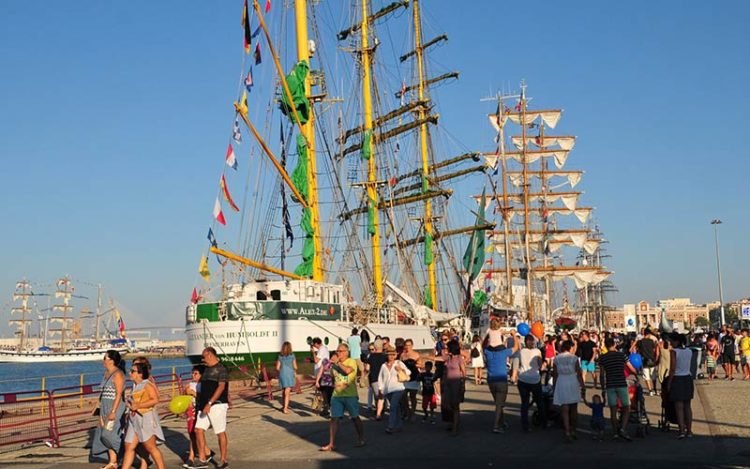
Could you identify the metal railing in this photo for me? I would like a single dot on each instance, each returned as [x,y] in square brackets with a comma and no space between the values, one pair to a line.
[39,417]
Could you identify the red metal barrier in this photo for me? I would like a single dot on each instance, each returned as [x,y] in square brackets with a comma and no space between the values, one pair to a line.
[26,418]
[50,417]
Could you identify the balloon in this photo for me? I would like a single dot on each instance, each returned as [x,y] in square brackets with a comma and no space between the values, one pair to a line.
[180,404]
[537,329]
[636,360]
[523,329]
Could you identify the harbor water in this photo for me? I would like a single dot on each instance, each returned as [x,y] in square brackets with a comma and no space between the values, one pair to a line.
[15,377]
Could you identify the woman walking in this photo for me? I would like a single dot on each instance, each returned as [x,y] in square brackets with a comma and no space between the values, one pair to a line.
[107,441]
[453,384]
[143,422]
[286,365]
[391,385]
[324,382]
[568,385]
[680,384]
[477,359]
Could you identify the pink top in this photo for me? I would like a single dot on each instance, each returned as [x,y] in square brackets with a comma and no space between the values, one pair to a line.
[495,338]
[453,367]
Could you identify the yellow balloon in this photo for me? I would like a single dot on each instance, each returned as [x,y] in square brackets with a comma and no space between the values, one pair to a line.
[180,404]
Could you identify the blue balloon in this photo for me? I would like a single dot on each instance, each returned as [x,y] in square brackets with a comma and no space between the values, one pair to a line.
[636,360]
[523,329]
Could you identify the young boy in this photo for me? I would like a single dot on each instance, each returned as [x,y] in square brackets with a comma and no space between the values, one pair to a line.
[597,415]
[429,400]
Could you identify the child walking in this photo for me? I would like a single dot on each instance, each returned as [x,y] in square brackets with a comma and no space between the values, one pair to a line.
[597,415]
[429,399]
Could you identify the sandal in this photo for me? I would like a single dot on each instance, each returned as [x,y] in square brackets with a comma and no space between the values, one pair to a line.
[326,448]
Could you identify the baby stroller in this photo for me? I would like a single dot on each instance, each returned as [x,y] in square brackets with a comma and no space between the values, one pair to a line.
[553,411]
[638,415]
[668,411]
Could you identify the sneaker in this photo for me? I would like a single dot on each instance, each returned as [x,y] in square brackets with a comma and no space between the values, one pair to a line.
[223,465]
[211,456]
[682,436]
[189,463]
[625,435]
[433,421]
[498,430]
[689,434]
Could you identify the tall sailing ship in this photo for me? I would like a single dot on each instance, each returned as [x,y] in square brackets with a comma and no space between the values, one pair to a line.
[371,191]
[529,271]
[65,341]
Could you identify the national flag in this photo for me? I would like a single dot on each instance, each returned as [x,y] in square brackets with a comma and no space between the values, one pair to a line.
[194,298]
[120,323]
[256,55]
[268,6]
[242,107]
[211,237]
[230,158]
[246,27]
[473,259]
[249,80]
[236,134]
[518,106]
[218,214]
[227,195]
[284,205]
[203,269]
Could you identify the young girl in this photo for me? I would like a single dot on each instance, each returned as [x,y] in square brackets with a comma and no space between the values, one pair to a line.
[324,382]
[286,365]
[477,360]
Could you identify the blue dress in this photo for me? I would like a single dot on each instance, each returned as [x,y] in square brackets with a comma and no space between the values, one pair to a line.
[286,373]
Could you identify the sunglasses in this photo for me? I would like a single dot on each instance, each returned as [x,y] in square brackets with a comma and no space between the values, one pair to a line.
[134,371]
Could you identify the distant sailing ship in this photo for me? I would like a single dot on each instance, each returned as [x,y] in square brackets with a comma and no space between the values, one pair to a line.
[527,273]
[70,346]
[360,265]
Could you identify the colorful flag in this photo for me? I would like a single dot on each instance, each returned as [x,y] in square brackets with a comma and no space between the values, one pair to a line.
[246,27]
[194,298]
[249,80]
[227,195]
[268,6]
[236,134]
[257,53]
[230,158]
[203,269]
[243,104]
[218,214]
[256,32]
[403,92]
[211,237]
[120,323]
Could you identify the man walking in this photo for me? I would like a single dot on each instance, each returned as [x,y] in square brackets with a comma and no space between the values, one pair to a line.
[587,352]
[612,366]
[648,348]
[212,404]
[345,397]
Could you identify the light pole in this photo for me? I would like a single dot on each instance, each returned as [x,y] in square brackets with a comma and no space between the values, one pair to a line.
[716,222]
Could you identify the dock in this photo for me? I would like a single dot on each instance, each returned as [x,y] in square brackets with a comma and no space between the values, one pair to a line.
[261,436]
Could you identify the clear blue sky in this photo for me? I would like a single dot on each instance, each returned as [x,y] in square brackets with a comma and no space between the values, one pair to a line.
[113,114]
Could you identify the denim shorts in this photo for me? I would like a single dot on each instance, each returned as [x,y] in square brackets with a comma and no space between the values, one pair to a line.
[341,404]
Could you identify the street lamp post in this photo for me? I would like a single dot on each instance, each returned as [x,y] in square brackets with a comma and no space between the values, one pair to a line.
[716,222]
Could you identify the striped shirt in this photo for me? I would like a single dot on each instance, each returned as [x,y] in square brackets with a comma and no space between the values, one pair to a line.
[613,366]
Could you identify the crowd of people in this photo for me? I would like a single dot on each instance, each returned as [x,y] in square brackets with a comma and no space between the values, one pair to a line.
[551,373]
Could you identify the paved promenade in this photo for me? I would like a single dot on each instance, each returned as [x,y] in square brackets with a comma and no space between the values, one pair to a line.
[261,436]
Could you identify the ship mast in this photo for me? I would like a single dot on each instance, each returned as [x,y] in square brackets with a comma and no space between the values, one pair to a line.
[372,167]
[22,293]
[525,187]
[64,291]
[308,132]
[428,228]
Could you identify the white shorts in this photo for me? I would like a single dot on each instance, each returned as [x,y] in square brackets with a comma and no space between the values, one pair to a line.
[216,419]
[649,372]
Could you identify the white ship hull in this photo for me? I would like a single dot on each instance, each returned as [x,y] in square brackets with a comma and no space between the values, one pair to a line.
[53,357]
[246,341]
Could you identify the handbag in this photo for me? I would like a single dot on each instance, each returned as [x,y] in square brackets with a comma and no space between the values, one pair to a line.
[402,376]
[474,352]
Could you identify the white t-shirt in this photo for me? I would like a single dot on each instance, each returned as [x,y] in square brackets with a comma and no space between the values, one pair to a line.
[528,371]
[321,354]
